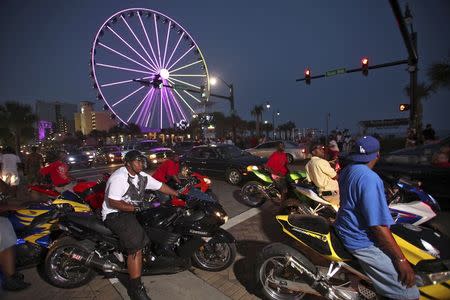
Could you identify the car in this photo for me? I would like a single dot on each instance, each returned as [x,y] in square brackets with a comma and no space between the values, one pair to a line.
[184,147]
[227,161]
[108,154]
[293,150]
[76,158]
[89,151]
[156,156]
[143,146]
[417,164]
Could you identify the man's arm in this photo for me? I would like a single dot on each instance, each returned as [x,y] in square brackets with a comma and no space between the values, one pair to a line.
[167,190]
[120,205]
[386,241]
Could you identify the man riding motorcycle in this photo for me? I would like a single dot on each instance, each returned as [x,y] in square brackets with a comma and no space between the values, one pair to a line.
[363,222]
[324,177]
[124,195]
[277,165]
[167,173]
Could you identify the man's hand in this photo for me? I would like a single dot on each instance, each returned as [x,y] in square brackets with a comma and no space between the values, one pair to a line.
[142,205]
[405,272]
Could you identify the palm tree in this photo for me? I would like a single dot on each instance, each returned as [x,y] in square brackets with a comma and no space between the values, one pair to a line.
[289,127]
[133,130]
[18,120]
[257,112]
[439,74]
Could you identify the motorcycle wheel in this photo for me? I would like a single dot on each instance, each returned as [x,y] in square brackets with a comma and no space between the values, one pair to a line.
[272,262]
[251,194]
[215,255]
[63,272]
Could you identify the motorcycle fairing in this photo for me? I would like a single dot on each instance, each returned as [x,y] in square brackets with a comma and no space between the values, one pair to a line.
[314,232]
[263,176]
[415,212]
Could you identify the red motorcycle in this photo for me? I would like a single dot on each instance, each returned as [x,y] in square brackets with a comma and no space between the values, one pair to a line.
[194,181]
[91,192]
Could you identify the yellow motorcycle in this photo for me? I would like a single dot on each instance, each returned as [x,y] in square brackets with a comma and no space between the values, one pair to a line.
[285,273]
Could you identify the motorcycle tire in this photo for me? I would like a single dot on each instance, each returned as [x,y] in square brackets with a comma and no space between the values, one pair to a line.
[249,196]
[202,257]
[440,223]
[55,260]
[275,254]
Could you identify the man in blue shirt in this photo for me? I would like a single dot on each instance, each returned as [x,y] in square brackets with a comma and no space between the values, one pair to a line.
[363,223]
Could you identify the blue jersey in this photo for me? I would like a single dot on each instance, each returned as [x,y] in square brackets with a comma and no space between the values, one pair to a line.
[362,205]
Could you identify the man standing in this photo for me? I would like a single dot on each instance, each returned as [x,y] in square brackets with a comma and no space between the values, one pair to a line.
[124,195]
[324,177]
[277,165]
[33,164]
[363,222]
[10,174]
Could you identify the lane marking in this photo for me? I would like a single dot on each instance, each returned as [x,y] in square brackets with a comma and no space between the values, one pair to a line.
[241,217]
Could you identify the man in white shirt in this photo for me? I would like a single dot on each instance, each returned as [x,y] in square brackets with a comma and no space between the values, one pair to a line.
[123,197]
[324,177]
[10,174]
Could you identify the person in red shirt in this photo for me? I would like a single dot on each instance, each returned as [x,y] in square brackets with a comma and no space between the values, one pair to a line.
[168,171]
[277,165]
[59,173]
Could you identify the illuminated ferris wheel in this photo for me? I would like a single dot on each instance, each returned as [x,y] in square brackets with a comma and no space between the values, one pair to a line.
[148,69]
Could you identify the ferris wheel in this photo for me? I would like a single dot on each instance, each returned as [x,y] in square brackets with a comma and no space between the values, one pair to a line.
[148,69]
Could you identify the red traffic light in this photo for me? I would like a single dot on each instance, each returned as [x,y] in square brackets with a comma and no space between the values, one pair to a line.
[365,66]
[308,76]
[307,72]
[365,61]
[403,107]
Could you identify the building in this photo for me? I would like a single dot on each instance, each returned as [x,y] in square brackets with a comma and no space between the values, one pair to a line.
[58,117]
[87,119]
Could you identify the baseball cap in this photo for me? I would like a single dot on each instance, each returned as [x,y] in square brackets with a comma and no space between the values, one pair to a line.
[365,149]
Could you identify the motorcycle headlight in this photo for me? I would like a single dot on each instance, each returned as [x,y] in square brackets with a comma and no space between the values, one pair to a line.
[224,217]
[152,156]
[430,248]
[207,180]
[252,168]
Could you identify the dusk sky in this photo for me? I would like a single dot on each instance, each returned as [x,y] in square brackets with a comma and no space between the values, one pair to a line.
[259,46]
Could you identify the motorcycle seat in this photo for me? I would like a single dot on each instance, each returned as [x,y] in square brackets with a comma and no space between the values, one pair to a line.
[313,223]
[91,222]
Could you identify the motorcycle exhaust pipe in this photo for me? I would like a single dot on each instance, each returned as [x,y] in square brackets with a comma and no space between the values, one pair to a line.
[93,261]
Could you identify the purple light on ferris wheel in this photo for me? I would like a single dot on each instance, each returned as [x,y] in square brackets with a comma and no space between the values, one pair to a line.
[129,58]
[157,39]
[167,100]
[167,41]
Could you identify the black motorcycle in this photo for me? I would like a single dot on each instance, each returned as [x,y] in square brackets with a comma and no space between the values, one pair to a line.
[180,237]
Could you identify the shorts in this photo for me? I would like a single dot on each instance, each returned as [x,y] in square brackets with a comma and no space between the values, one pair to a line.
[131,234]
[8,237]
[380,269]
[11,179]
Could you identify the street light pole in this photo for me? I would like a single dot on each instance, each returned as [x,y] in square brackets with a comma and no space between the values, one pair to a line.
[231,99]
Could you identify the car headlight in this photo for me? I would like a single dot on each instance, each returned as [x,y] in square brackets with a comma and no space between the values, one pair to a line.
[88,153]
[252,168]
[71,158]
[154,161]
[111,155]
[152,156]
[207,180]
[91,156]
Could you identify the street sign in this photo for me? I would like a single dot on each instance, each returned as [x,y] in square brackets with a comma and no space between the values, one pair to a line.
[335,72]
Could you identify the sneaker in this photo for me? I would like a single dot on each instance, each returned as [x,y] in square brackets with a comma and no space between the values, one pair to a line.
[15,283]
[139,294]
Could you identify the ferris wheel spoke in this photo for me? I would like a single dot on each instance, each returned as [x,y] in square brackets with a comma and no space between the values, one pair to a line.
[185,102]
[160,111]
[193,97]
[189,50]
[129,46]
[187,75]
[167,101]
[157,41]
[186,83]
[187,66]
[139,42]
[143,112]
[174,49]
[121,68]
[167,41]
[129,58]
[148,40]
[124,81]
[140,103]
[177,110]
[152,114]
[128,96]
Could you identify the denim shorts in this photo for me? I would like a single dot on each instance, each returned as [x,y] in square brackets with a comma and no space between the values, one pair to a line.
[7,235]
[380,269]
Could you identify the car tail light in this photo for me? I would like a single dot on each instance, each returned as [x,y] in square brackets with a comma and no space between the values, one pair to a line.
[303,150]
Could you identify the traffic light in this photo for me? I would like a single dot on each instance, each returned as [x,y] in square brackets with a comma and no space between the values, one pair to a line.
[403,107]
[308,76]
[365,66]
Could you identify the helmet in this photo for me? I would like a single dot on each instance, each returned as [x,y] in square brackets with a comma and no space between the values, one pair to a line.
[134,155]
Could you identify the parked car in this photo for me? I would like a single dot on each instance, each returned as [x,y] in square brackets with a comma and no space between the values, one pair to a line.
[89,151]
[108,154]
[156,156]
[76,158]
[293,150]
[417,164]
[227,161]
[184,147]
[144,146]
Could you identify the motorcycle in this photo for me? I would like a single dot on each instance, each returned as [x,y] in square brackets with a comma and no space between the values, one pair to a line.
[256,192]
[286,273]
[195,185]
[180,237]
[35,228]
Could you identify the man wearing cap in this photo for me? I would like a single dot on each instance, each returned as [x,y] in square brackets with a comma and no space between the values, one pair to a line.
[363,222]
[324,177]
